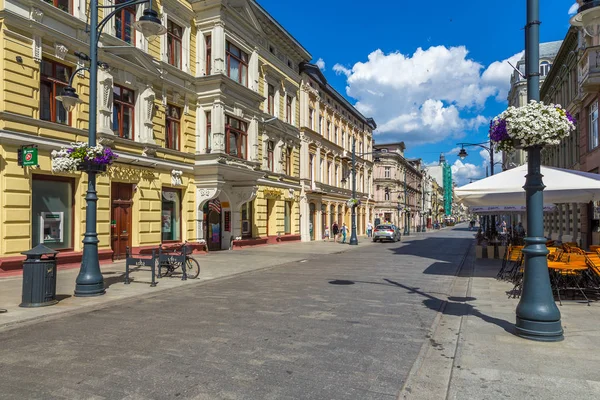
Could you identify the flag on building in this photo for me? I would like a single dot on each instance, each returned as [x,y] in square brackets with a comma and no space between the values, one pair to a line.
[214,205]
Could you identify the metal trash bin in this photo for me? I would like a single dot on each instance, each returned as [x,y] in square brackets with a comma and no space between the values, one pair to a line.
[39,277]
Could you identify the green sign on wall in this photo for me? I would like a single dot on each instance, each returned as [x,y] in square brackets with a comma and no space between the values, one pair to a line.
[28,156]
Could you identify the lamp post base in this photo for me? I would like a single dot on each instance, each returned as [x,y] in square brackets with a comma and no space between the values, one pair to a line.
[96,289]
[540,331]
[353,241]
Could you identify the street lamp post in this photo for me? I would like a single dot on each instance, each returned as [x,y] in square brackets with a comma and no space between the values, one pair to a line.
[89,281]
[538,317]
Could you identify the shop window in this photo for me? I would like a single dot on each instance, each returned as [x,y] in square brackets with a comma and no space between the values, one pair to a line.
[247,220]
[287,222]
[174,36]
[236,137]
[124,20]
[52,212]
[123,111]
[237,64]
[171,215]
[173,123]
[53,78]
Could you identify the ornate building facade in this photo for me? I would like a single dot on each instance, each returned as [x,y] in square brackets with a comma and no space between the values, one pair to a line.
[329,125]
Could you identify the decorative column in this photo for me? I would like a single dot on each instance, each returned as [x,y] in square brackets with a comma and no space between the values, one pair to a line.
[218,48]
[217,115]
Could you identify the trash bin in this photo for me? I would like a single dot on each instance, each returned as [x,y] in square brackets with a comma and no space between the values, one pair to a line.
[39,277]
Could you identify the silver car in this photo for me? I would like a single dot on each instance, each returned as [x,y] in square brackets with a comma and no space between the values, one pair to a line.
[387,232]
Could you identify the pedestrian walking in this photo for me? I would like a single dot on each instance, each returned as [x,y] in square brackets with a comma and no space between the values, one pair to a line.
[335,230]
[369,229]
[344,232]
[326,234]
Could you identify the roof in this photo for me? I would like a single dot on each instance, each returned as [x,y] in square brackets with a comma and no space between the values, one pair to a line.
[315,73]
[547,50]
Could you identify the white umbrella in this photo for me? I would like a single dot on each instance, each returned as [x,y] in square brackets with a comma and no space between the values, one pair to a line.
[506,209]
[562,186]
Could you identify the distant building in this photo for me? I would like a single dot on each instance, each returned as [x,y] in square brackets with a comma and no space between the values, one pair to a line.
[442,174]
[517,95]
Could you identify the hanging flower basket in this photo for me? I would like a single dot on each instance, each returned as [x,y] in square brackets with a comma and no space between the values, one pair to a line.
[353,202]
[534,124]
[81,157]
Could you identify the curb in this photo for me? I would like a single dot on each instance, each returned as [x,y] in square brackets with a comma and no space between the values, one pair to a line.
[423,361]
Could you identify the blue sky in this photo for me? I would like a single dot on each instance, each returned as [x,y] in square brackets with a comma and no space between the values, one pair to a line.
[431,73]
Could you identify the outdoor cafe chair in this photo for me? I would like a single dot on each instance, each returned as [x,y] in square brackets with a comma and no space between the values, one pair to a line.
[510,262]
[569,274]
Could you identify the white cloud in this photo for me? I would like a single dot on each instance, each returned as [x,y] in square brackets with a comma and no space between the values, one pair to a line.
[340,69]
[461,172]
[573,9]
[425,97]
[498,73]
[321,64]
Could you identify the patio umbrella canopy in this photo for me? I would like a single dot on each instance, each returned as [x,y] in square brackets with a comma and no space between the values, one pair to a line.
[483,210]
[506,188]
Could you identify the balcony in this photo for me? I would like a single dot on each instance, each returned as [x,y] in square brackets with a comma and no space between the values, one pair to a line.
[588,71]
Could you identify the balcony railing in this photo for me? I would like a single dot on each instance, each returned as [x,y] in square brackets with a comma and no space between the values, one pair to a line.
[588,71]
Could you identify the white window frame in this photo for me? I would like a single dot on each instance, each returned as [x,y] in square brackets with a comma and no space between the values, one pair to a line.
[185,40]
[387,172]
[593,125]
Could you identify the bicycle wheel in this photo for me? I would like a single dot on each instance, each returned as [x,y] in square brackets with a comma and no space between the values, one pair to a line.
[165,269]
[192,268]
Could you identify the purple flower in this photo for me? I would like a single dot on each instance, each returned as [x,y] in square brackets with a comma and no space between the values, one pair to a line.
[570,118]
[498,131]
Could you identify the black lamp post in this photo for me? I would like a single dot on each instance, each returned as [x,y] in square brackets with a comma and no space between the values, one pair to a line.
[89,281]
[353,235]
[538,317]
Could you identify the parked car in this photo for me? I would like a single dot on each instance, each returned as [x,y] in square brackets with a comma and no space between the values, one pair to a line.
[387,232]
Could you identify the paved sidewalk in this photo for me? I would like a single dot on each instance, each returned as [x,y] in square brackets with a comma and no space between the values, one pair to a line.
[214,265]
[473,353]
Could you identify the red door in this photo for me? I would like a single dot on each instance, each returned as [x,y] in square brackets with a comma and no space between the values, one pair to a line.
[120,224]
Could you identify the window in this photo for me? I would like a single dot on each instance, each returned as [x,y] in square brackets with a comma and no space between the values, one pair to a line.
[335,135]
[343,139]
[320,124]
[208,131]
[208,54]
[237,64]
[387,172]
[271,100]
[270,148]
[288,161]
[171,215]
[329,172]
[337,174]
[54,77]
[123,111]
[311,167]
[287,218]
[311,115]
[545,68]
[247,219]
[174,35]
[236,137]
[173,127]
[288,109]
[328,130]
[593,128]
[60,4]
[124,20]
[52,212]
[387,195]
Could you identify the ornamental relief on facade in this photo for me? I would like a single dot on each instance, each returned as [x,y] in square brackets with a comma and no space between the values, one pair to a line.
[272,193]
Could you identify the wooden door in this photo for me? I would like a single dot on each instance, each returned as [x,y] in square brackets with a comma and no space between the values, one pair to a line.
[120,215]
[214,230]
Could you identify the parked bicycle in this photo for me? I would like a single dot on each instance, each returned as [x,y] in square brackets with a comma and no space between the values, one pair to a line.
[178,257]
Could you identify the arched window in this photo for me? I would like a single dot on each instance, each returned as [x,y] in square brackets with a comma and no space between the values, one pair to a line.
[545,68]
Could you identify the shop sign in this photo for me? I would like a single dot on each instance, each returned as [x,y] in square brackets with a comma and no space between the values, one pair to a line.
[28,156]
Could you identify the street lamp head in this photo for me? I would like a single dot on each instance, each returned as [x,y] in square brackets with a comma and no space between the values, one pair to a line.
[150,25]
[462,154]
[588,17]
[69,98]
